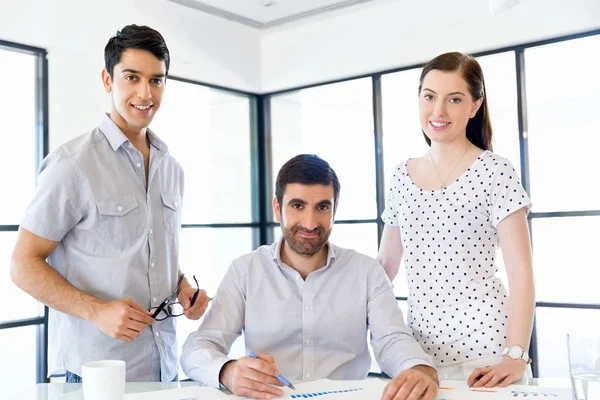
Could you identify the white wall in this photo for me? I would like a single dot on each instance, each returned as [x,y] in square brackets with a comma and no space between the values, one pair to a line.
[387,34]
[74,32]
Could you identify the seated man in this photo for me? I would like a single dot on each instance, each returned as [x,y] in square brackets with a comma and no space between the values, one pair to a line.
[306,305]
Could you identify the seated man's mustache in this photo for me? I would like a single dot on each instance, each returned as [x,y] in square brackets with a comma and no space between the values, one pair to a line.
[304,230]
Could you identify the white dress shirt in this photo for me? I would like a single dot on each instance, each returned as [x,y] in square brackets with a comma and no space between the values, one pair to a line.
[314,328]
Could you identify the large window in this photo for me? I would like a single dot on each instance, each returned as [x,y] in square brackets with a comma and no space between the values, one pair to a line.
[22,111]
[563,96]
[208,131]
[336,123]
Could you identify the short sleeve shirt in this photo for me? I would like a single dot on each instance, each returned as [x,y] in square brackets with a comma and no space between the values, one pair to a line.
[118,238]
[457,306]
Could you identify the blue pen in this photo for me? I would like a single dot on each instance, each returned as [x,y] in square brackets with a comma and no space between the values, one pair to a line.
[280,378]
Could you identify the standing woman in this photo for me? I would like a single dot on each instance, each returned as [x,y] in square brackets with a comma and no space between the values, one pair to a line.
[447,213]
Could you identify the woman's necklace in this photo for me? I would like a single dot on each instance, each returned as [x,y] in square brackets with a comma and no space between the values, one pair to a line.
[442,184]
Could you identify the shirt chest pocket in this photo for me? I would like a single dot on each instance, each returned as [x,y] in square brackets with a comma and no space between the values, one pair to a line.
[171,212]
[119,219]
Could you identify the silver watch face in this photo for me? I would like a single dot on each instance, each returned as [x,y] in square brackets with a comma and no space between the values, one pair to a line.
[515,352]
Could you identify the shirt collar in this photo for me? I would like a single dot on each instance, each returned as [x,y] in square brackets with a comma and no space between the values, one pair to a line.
[276,253]
[116,137]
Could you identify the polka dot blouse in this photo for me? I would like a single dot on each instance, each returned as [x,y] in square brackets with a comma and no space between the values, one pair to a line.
[457,307]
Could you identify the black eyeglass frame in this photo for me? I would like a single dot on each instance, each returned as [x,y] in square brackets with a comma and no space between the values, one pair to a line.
[173,295]
[169,298]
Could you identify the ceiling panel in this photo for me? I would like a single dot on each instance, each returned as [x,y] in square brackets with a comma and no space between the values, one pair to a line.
[266,13]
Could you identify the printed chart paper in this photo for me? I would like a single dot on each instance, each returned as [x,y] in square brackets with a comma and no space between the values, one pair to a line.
[459,390]
[184,393]
[326,389]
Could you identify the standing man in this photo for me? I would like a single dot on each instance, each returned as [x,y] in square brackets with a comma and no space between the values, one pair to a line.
[306,305]
[99,242]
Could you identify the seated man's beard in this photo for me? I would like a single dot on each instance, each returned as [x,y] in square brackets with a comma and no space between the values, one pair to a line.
[304,246]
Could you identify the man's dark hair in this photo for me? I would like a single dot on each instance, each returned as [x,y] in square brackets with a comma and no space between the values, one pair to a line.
[135,37]
[306,169]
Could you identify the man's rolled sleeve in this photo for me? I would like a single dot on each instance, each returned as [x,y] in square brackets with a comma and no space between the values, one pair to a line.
[56,205]
[413,362]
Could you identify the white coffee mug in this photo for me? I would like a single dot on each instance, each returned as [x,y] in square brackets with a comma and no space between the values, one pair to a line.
[103,380]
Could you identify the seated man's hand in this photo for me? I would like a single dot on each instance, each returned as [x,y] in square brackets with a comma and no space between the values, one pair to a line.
[122,319]
[418,382]
[252,377]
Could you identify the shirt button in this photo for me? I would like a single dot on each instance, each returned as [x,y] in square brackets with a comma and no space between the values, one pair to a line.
[308,375]
[151,231]
[130,146]
[297,277]
[157,334]
[154,299]
[120,208]
[139,165]
[148,196]
[307,341]
[176,204]
[152,264]
[307,308]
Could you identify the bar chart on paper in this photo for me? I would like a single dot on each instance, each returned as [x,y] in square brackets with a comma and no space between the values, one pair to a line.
[327,393]
[459,390]
[326,389]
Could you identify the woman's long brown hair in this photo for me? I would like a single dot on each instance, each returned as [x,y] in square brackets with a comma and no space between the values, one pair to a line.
[479,128]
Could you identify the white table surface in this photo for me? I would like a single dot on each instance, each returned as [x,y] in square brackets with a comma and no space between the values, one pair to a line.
[72,391]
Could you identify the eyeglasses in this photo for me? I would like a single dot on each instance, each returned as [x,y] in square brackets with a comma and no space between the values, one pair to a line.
[169,308]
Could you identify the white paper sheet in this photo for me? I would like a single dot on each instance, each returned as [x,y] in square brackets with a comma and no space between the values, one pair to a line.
[326,389]
[459,390]
[185,393]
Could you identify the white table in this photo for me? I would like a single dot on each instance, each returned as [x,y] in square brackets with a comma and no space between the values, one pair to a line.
[72,391]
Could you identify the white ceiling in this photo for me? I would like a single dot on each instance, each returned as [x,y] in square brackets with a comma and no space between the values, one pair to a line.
[267,13]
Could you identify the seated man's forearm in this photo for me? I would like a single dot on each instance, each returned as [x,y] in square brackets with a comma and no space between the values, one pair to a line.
[202,360]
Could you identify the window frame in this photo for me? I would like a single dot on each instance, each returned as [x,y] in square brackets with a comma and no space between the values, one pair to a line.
[41,150]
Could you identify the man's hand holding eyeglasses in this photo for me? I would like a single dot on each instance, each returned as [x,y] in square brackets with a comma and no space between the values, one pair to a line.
[121,319]
[194,300]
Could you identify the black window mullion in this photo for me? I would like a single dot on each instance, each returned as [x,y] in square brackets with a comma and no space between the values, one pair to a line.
[378,144]
[42,150]
[525,179]
[264,184]
[522,119]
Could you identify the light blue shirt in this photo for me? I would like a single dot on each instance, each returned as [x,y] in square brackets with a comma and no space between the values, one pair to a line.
[117,239]
[314,328]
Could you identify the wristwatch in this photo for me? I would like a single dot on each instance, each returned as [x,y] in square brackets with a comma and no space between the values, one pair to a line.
[516,352]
